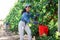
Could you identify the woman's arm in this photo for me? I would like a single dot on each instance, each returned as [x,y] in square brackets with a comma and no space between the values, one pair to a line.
[35,18]
[25,17]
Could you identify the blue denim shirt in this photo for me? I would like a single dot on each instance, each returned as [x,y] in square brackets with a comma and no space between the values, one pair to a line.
[26,17]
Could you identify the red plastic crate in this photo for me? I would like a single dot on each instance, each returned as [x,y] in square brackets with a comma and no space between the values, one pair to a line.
[43,29]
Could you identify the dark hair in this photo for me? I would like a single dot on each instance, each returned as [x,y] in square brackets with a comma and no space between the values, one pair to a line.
[24,10]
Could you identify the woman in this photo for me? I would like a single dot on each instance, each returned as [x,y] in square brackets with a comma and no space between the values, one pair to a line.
[23,24]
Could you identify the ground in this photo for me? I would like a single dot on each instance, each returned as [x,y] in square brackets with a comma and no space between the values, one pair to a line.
[7,35]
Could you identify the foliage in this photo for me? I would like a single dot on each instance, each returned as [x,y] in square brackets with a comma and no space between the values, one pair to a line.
[48,16]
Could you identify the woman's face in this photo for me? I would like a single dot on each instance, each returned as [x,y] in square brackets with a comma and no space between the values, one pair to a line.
[27,9]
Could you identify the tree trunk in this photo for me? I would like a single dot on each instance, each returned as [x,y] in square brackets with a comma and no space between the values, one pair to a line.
[58,15]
